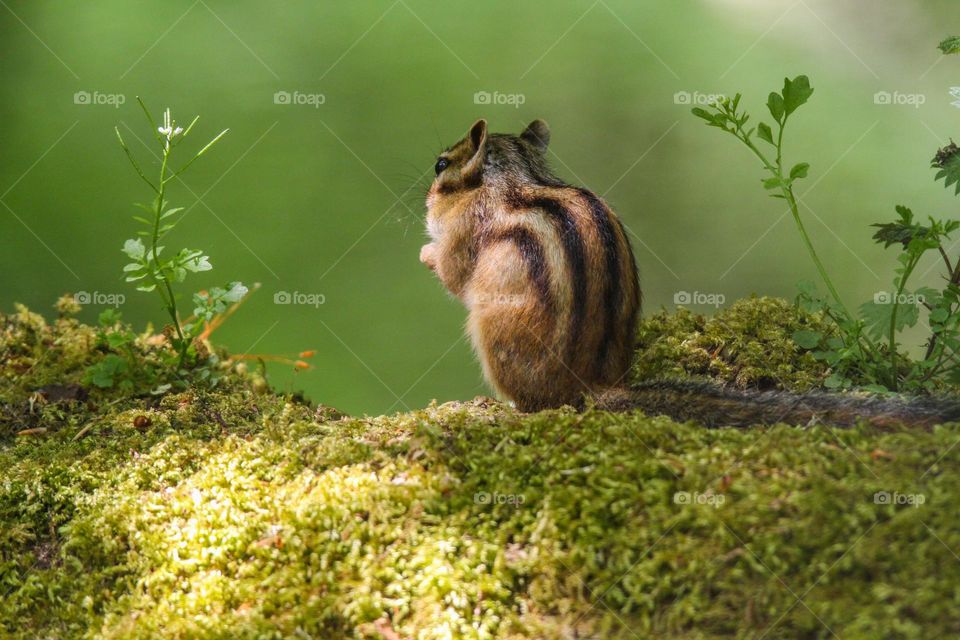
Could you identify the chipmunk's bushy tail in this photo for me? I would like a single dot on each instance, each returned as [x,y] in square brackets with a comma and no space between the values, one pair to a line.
[717,406]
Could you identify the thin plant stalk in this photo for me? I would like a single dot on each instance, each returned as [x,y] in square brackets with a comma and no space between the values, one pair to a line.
[788,195]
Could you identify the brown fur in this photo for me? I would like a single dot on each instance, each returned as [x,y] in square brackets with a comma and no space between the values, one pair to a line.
[545,269]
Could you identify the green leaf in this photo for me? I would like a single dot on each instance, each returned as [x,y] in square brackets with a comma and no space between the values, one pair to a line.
[209,144]
[948,160]
[807,339]
[104,373]
[799,171]
[950,45]
[108,317]
[719,120]
[776,106]
[835,381]
[134,249]
[171,212]
[876,317]
[764,132]
[702,113]
[235,292]
[198,263]
[796,92]
[932,299]
[214,301]
[101,378]
[907,316]
[772,183]
[807,287]
[903,232]
[117,340]
[876,388]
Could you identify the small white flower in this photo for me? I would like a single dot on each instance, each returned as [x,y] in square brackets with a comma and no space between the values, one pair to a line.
[169,130]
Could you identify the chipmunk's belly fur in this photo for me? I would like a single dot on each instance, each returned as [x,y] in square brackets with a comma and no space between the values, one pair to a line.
[553,296]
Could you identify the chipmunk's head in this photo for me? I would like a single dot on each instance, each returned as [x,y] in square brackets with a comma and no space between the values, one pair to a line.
[496,160]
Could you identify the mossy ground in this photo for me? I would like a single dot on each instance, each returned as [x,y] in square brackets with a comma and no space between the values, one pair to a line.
[747,345]
[239,513]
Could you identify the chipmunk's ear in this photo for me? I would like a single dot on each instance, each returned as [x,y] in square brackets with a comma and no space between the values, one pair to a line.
[537,133]
[478,134]
[477,139]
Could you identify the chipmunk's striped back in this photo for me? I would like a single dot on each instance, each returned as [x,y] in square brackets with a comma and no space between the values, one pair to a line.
[545,269]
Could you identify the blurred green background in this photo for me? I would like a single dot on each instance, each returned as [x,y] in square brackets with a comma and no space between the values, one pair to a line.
[327,199]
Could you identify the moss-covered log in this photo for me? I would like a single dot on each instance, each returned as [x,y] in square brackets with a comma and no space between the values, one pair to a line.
[239,513]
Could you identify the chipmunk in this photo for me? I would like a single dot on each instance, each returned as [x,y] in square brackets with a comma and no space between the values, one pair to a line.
[545,269]
[547,274]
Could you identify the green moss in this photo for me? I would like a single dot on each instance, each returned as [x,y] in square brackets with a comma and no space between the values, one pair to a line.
[748,344]
[240,514]
[35,353]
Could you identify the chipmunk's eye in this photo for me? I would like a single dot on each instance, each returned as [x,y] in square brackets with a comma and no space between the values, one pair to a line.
[442,163]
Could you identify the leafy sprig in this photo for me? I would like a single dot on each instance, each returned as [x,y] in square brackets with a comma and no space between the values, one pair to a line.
[947,163]
[152,268]
[725,115]
[864,350]
[147,268]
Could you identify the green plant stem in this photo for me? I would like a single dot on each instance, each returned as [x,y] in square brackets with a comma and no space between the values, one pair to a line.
[935,369]
[946,260]
[892,334]
[133,161]
[954,280]
[788,195]
[795,212]
[170,301]
[943,359]
[776,170]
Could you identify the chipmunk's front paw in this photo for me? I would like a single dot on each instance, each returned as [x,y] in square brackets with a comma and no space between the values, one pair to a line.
[428,256]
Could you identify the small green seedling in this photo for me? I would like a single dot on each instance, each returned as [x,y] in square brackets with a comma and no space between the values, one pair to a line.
[153,268]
